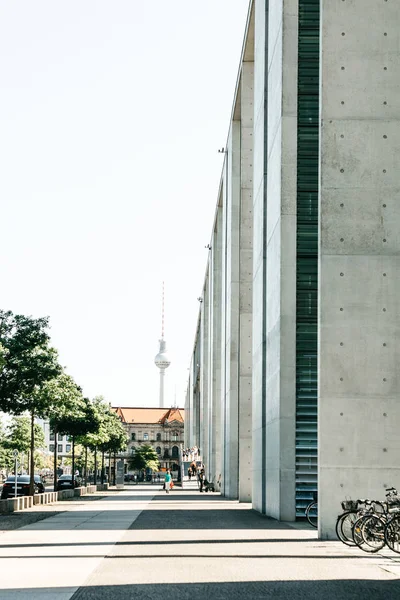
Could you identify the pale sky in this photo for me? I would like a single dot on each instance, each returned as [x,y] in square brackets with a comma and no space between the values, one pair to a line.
[111,116]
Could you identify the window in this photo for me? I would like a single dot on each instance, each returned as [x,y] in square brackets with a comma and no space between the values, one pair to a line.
[68,448]
[175,436]
[175,451]
[145,436]
[52,436]
[158,450]
[133,437]
[51,447]
[60,448]
[158,439]
[133,450]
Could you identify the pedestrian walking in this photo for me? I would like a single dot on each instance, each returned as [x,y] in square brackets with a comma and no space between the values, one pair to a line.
[201,477]
[190,473]
[168,480]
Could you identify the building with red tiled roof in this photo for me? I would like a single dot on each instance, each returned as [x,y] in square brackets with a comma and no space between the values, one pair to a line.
[162,428]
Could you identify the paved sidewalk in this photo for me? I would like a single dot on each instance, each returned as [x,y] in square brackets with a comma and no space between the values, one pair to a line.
[141,543]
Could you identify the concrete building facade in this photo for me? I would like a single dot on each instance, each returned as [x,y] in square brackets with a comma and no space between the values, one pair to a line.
[294,387]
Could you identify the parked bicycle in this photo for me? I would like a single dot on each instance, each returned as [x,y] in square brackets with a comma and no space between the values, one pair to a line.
[312,511]
[370,524]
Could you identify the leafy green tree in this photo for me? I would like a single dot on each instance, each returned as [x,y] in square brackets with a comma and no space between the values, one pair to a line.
[6,457]
[28,363]
[117,439]
[95,439]
[19,435]
[84,460]
[110,436]
[78,424]
[144,458]
[63,399]
[3,353]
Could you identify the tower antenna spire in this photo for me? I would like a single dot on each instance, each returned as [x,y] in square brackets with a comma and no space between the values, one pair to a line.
[162,360]
[162,313]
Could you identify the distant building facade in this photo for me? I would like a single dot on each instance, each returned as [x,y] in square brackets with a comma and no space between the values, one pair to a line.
[64,443]
[162,428]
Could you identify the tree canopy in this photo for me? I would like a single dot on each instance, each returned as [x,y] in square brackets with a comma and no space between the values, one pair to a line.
[145,457]
[19,435]
[27,360]
[6,456]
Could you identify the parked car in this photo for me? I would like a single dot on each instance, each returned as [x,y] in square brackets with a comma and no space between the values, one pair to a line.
[22,486]
[64,482]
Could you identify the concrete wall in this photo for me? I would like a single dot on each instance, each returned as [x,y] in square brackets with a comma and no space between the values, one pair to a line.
[359,318]
[245,344]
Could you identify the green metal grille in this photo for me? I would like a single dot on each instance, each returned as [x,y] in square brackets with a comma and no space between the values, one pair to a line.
[307,253]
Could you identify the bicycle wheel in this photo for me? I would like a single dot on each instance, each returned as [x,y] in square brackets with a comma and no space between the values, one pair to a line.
[392,534]
[312,514]
[344,527]
[369,533]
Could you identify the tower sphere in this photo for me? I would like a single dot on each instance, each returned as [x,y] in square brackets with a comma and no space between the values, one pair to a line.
[162,360]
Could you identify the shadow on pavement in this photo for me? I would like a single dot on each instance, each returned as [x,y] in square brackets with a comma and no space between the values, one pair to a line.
[63,544]
[255,590]
[224,518]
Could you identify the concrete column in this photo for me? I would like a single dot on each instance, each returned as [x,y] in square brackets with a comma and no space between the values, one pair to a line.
[259,254]
[192,412]
[359,268]
[275,245]
[222,325]
[187,417]
[204,373]
[246,274]
[215,348]
[281,260]
[231,358]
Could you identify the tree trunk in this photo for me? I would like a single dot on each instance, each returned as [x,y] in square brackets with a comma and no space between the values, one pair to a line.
[32,457]
[115,469]
[109,468]
[86,477]
[73,462]
[55,474]
[102,466]
[95,467]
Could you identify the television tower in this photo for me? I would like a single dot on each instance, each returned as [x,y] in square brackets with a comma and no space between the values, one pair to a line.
[162,360]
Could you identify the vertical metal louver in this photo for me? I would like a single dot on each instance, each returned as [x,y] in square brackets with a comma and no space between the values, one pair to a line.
[307,253]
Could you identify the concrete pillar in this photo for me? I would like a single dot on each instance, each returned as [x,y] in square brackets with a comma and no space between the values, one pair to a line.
[187,416]
[359,288]
[259,255]
[192,411]
[230,365]
[215,348]
[204,373]
[246,273]
[274,349]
